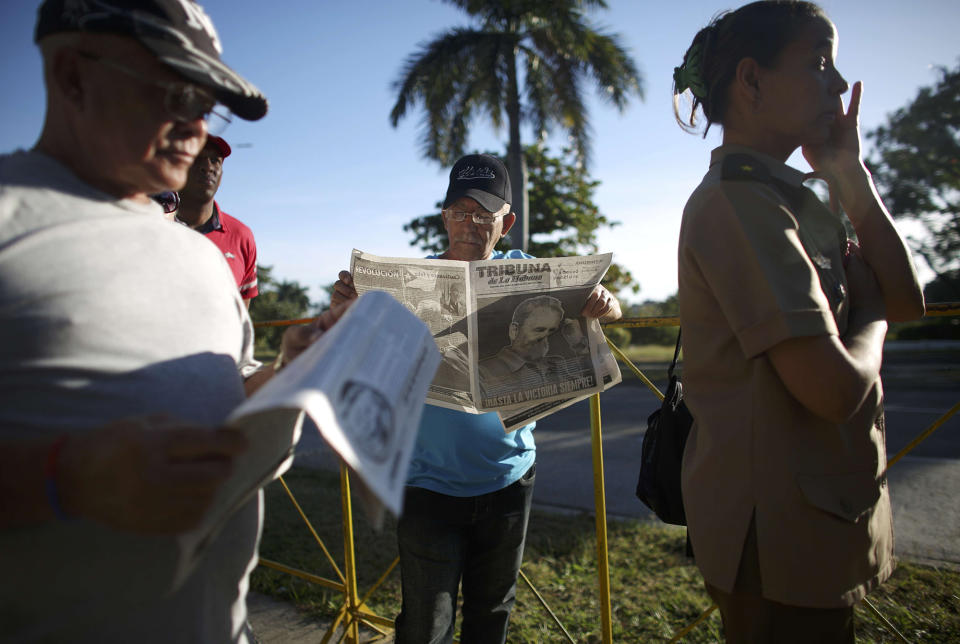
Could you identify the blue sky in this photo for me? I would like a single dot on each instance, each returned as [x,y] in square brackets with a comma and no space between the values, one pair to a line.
[324,171]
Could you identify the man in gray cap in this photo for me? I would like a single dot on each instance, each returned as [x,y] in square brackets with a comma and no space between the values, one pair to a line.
[111,442]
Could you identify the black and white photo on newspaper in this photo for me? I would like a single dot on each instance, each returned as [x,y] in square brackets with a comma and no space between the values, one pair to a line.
[510,331]
[516,417]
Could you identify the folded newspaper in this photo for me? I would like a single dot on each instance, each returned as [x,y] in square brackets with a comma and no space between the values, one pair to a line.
[362,383]
[510,331]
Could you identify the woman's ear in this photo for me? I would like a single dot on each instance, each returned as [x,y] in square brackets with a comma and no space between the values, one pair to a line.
[746,82]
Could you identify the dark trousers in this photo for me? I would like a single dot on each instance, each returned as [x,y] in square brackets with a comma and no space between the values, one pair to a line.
[446,541]
[749,618]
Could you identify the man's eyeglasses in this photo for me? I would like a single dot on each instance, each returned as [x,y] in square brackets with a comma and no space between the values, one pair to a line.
[482,218]
[183,101]
[169,201]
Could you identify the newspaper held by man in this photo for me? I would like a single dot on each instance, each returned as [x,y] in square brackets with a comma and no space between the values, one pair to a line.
[510,331]
[363,384]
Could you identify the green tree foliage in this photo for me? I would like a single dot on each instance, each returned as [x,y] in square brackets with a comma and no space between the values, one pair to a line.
[563,217]
[547,45]
[650,309]
[916,164]
[278,300]
[945,287]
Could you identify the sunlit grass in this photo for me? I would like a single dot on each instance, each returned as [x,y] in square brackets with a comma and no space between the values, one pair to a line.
[649,352]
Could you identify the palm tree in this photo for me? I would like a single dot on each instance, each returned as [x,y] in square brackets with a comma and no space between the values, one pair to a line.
[465,72]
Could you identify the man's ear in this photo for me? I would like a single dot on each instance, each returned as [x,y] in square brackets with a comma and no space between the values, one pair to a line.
[508,220]
[67,76]
[512,331]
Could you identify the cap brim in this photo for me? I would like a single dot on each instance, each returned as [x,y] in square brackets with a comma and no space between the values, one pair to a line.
[218,142]
[229,88]
[491,202]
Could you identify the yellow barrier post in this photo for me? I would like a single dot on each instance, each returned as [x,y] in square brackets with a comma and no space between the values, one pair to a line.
[351,604]
[600,504]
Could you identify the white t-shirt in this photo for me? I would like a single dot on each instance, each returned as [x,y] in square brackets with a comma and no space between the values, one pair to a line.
[107,310]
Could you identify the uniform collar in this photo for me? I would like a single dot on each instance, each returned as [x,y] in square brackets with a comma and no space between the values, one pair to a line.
[214,223]
[776,168]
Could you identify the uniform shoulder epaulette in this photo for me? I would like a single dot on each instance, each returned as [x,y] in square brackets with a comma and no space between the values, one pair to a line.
[743,167]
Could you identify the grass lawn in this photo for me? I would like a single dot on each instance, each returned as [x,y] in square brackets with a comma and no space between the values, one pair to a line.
[655,589]
[646,353]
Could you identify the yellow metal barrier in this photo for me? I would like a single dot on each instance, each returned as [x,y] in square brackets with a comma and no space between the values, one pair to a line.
[354,612]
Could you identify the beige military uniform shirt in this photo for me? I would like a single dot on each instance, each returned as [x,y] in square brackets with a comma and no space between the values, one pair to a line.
[760,262]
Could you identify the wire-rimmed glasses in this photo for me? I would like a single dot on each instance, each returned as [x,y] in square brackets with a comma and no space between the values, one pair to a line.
[480,217]
[183,101]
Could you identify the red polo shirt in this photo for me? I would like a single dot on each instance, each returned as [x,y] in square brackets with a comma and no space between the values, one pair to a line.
[235,241]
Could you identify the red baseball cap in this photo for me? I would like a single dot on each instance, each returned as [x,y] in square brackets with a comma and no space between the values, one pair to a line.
[220,144]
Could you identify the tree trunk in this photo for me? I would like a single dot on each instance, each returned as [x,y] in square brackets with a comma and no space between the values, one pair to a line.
[517,167]
[516,162]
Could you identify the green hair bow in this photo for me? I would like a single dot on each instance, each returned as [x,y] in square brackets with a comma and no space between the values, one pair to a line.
[688,75]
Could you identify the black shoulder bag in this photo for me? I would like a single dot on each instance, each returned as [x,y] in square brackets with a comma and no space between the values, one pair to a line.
[667,430]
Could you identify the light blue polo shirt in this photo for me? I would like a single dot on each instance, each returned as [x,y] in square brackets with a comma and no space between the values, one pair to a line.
[461,454]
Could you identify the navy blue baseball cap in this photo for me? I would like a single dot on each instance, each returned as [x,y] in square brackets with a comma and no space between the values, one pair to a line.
[481,177]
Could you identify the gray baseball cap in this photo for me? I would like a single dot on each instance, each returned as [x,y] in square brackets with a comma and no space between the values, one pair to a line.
[178,32]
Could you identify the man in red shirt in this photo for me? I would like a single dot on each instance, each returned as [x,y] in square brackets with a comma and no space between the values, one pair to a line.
[199,211]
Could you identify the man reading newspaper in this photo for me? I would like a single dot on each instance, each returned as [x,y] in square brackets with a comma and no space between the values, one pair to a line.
[126,343]
[470,485]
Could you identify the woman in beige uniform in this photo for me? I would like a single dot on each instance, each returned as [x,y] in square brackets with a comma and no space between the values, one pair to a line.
[783,324]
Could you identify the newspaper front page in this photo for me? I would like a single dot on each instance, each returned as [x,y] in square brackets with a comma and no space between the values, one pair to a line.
[509,331]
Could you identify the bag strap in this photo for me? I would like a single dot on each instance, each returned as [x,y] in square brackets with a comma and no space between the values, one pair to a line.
[676,354]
